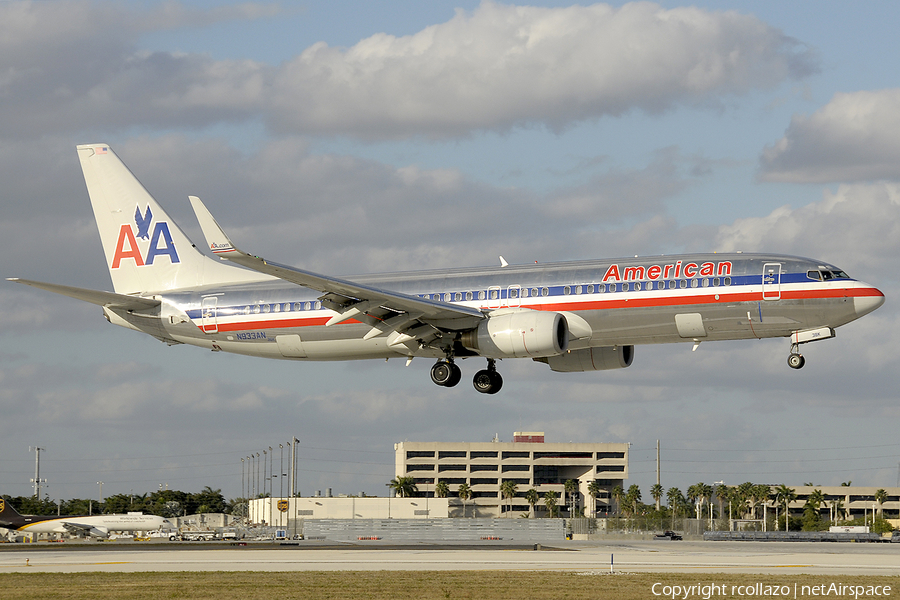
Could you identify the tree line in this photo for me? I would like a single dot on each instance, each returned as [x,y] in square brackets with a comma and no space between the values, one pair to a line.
[744,501]
[165,503]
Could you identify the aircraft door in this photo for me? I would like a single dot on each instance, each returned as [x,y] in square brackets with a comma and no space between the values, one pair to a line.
[208,314]
[771,281]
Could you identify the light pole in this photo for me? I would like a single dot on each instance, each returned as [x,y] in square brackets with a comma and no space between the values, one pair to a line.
[37,481]
[100,483]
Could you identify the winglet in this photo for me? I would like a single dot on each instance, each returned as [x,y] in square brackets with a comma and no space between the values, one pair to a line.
[216,240]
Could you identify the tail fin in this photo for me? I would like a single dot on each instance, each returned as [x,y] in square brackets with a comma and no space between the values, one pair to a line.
[145,249]
[9,517]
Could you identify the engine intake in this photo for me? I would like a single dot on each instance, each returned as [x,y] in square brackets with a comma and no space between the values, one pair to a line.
[519,333]
[591,359]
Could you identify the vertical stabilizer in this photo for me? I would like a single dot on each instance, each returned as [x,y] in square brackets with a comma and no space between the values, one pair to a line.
[145,249]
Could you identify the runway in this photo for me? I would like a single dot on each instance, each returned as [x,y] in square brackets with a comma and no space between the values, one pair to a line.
[634,557]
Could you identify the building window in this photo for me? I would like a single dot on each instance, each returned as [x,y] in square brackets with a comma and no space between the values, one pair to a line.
[477,454]
[452,454]
[420,454]
[514,454]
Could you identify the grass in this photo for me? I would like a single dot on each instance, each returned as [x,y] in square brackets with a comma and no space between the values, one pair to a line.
[401,585]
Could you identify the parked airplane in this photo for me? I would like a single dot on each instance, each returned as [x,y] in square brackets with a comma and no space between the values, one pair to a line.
[93,525]
[573,316]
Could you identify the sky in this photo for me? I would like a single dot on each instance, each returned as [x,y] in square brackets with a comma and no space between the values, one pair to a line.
[350,137]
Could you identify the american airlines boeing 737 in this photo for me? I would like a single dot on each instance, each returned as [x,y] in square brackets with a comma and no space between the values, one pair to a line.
[572,316]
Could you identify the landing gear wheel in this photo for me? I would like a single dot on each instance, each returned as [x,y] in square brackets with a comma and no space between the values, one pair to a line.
[445,373]
[796,361]
[487,381]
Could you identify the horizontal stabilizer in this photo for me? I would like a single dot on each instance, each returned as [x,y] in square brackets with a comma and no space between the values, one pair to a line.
[107,299]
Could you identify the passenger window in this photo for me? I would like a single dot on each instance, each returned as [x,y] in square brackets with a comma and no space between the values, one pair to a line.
[728,281]
[577,289]
[567,290]
[513,293]
[672,285]
[534,292]
[695,283]
[468,295]
[524,292]
[626,287]
[495,294]
[637,286]
[545,291]
[458,296]
[307,306]
[318,305]
[682,284]
[481,295]
[590,289]
[715,282]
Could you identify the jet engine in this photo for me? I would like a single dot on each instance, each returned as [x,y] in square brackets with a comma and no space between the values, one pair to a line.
[518,333]
[591,359]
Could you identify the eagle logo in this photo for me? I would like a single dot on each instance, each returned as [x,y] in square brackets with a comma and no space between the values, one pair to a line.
[143,223]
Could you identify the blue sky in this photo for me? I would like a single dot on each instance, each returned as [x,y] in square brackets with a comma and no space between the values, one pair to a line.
[354,137]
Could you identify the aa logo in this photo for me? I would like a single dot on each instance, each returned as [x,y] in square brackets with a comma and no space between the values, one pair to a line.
[160,241]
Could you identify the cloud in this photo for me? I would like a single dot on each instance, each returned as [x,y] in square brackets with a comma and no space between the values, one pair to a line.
[855,137]
[75,65]
[856,227]
[504,66]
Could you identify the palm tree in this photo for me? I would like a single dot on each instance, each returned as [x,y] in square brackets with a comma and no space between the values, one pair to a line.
[632,497]
[745,493]
[656,490]
[464,492]
[675,499]
[441,489]
[532,497]
[508,490]
[880,497]
[550,498]
[785,495]
[837,507]
[693,494]
[404,486]
[595,489]
[571,487]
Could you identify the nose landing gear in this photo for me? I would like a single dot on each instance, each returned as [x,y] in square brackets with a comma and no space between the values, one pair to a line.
[488,381]
[795,360]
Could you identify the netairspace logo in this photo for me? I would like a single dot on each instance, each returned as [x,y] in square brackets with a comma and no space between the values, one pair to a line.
[708,591]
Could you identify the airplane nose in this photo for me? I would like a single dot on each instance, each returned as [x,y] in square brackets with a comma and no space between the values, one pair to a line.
[863,305]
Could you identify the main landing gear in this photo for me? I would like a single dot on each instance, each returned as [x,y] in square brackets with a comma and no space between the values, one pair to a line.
[446,373]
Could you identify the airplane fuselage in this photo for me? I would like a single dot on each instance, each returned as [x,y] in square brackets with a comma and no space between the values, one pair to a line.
[646,300]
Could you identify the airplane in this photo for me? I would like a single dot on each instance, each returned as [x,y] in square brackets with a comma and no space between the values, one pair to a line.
[573,316]
[93,525]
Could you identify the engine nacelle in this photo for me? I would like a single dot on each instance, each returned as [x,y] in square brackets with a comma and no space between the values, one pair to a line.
[519,333]
[591,359]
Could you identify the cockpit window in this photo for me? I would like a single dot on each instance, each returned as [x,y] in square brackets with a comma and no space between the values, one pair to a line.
[827,276]
[814,275]
[840,275]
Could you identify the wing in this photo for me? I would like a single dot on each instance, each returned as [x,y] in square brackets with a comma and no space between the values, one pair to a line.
[107,299]
[417,320]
